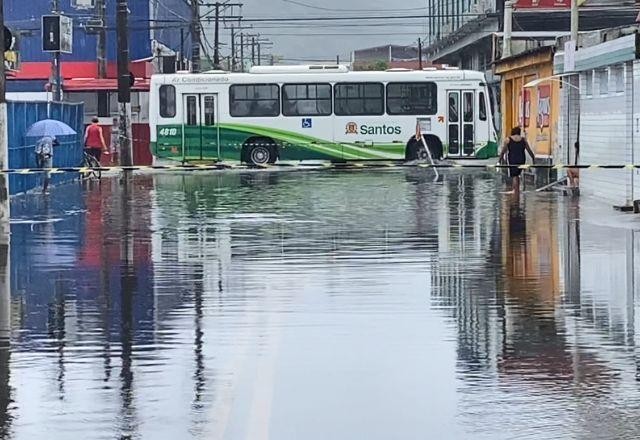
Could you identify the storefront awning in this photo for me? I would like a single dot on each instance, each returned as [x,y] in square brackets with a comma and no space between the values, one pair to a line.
[102,84]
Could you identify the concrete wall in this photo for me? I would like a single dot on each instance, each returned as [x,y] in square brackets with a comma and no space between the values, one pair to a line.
[606,134]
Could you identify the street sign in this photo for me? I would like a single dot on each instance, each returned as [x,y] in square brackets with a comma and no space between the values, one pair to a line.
[57,33]
[83,4]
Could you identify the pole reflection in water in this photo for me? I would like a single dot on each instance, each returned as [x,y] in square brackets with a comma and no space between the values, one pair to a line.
[6,397]
[128,290]
[373,304]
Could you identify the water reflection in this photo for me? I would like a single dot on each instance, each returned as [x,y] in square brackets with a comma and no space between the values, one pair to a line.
[377,304]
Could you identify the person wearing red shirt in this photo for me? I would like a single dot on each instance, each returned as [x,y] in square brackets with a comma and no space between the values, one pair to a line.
[94,140]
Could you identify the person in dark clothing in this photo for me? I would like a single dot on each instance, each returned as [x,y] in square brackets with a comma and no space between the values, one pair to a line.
[513,149]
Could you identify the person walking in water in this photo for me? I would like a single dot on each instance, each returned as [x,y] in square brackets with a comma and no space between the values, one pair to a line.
[513,149]
[94,140]
[44,157]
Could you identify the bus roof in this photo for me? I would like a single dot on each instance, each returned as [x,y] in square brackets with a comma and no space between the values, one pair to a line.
[295,74]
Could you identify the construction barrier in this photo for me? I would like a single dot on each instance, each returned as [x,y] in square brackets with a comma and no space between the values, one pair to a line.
[301,166]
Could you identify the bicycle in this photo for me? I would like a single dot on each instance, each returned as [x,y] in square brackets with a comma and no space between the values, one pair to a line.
[88,161]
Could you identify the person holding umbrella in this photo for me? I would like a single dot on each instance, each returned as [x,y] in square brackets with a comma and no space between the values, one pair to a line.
[44,157]
[47,132]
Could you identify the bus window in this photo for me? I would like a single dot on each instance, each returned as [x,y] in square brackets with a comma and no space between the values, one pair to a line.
[306,99]
[453,107]
[167,101]
[412,98]
[254,100]
[468,107]
[359,99]
[209,110]
[482,108]
[192,110]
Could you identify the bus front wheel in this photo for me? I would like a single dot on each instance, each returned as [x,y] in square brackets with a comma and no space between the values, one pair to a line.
[415,151]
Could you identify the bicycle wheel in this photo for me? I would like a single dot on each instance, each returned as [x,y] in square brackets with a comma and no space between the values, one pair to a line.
[91,162]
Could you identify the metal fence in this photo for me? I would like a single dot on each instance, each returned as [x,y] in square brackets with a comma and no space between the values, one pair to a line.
[21,115]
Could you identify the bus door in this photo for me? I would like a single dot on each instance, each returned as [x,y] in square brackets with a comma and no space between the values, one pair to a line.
[200,131]
[461,132]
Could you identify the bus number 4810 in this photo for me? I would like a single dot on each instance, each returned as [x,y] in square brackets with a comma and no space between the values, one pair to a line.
[168,132]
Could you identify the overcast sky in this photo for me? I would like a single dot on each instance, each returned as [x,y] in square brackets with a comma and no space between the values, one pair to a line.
[323,40]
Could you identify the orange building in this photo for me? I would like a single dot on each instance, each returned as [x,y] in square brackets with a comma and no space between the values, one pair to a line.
[534,108]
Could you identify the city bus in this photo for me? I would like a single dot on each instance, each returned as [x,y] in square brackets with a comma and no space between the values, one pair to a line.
[325,112]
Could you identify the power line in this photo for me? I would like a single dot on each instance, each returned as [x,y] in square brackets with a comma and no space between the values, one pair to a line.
[320,8]
[358,18]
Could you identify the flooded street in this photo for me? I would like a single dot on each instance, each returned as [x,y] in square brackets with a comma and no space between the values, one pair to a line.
[320,305]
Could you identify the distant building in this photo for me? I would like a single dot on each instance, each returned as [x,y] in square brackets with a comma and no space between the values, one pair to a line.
[468,34]
[383,57]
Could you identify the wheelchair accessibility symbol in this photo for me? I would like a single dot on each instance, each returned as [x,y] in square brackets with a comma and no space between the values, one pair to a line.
[307,123]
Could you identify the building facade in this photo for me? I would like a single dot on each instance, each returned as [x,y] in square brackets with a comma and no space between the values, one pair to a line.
[528,104]
[154,28]
[603,112]
[469,34]
[385,57]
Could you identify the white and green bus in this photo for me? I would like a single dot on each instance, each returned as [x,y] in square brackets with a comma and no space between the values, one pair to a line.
[293,113]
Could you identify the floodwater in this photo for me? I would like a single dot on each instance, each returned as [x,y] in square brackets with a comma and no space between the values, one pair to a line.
[320,305]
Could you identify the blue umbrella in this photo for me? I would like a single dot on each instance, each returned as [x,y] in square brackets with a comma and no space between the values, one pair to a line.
[49,127]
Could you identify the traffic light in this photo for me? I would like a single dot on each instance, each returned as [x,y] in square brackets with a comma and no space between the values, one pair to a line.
[8,39]
[57,33]
[51,33]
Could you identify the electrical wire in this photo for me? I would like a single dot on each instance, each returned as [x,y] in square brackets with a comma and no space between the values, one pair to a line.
[320,8]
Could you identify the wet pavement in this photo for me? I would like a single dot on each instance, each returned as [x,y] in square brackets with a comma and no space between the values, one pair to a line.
[319,305]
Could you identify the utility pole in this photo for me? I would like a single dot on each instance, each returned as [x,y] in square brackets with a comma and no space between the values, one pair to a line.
[575,18]
[259,54]
[195,36]
[5,281]
[508,28]
[241,51]
[4,141]
[181,61]
[124,83]
[253,51]
[216,39]
[233,50]
[55,63]
[420,53]
[101,45]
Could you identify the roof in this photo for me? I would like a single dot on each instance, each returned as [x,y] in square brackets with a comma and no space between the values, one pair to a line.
[380,76]
[543,50]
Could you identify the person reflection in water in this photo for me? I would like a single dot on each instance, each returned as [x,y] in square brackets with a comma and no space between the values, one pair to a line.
[513,150]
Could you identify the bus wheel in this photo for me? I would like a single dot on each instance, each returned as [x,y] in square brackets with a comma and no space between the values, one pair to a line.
[259,151]
[260,155]
[415,151]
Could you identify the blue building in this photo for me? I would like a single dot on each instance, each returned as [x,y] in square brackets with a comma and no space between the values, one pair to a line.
[152,24]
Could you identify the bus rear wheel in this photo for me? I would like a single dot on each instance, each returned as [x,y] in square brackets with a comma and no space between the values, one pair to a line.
[259,155]
[260,152]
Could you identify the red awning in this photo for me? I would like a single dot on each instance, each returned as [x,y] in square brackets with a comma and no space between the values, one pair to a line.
[79,69]
[106,84]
